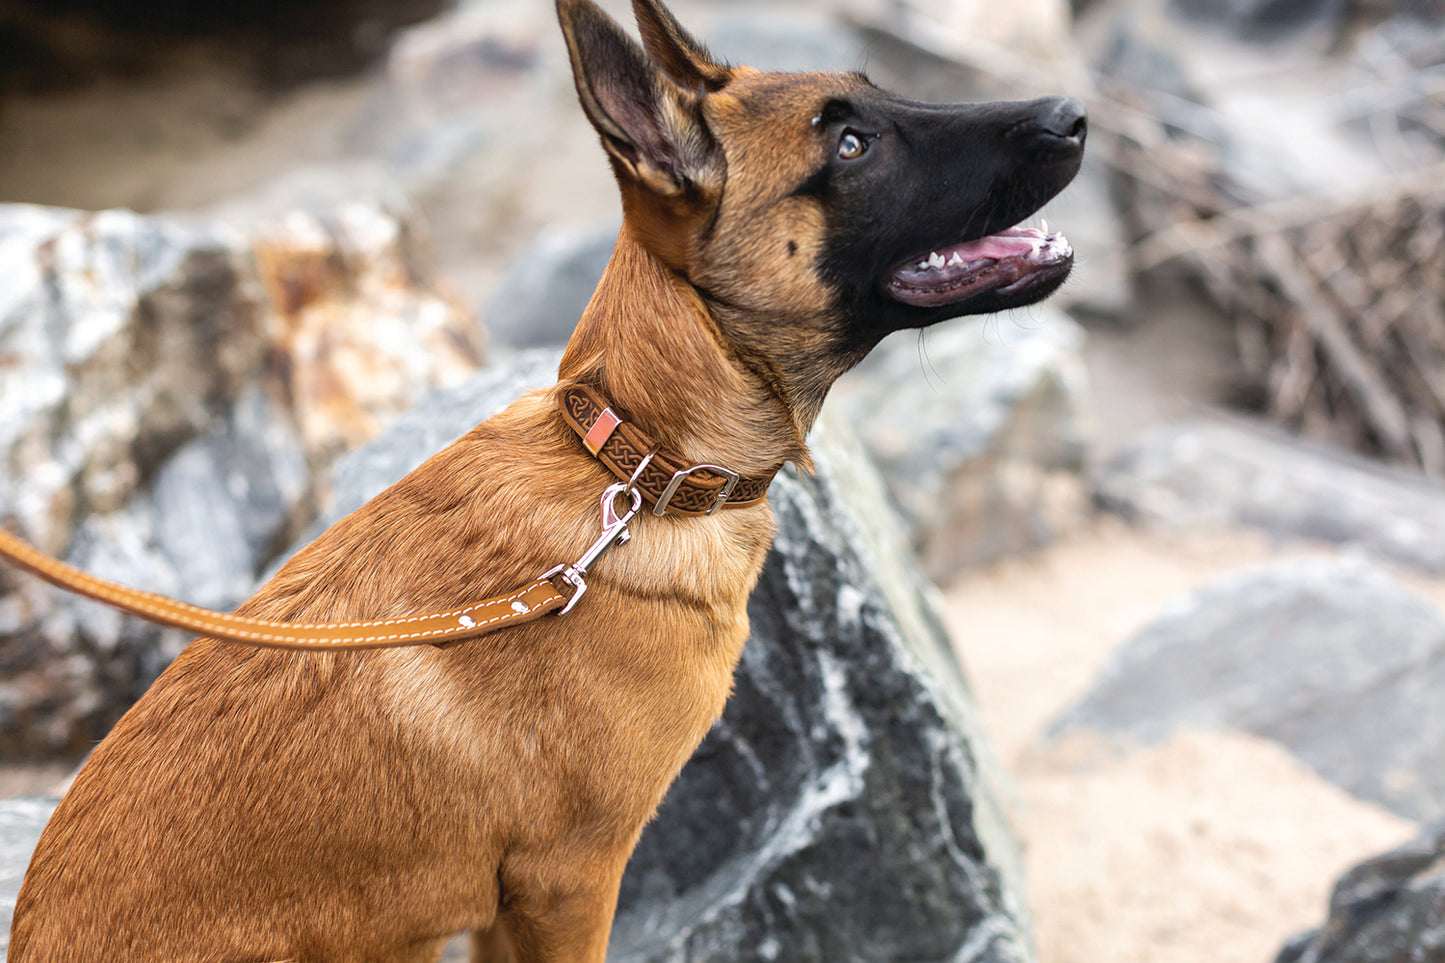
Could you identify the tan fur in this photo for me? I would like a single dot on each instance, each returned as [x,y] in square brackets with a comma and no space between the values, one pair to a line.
[260,805]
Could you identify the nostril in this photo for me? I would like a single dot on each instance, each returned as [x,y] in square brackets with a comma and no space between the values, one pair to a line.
[1052,124]
[1066,119]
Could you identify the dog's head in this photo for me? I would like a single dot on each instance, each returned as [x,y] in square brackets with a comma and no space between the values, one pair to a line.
[815,213]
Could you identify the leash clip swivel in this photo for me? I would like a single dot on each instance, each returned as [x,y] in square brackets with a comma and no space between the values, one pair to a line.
[614,532]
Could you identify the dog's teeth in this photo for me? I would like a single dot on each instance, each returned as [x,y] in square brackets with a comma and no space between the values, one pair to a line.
[956,259]
[1044,224]
[935,260]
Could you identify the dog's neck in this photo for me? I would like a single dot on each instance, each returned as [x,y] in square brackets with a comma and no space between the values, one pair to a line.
[648,343]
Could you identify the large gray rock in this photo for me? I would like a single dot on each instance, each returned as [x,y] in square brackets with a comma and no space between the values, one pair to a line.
[541,297]
[1332,658]
[167,389]
[1267,20]
[977,428]
[845,808]
[777,37]
[120,338]
[1217,474]
[1389,909]
[118,335]
[21,821]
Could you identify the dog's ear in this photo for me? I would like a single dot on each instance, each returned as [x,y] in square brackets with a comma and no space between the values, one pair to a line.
[682,57]
[652,127]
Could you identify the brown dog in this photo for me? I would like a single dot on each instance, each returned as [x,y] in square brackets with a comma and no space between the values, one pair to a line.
[258,805]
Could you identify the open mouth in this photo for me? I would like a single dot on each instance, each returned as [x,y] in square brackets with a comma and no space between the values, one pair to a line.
[1015,262]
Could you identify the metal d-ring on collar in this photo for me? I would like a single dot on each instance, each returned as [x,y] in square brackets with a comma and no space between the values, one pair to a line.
[631,487]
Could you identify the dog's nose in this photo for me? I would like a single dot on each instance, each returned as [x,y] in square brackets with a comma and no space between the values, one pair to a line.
[1065,117]
[1054,124]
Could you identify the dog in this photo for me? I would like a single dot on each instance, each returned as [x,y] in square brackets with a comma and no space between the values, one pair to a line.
[258,805]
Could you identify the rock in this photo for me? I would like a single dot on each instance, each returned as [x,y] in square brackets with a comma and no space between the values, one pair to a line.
[1217,474]
[362,321]
[166,389]
[982,448]
[1266,20]
[851,742]
[443,417]
[1385,910]
[1235,124]
[1101,286]
[1332,658]
[845,808]
[540,298]
[119,336]
[779,38]
[21,821]
[1025,43]
[225,503]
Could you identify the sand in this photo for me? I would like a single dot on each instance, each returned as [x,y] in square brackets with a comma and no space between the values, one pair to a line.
[1213,847]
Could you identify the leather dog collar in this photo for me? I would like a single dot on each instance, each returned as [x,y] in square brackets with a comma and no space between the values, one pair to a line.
[667,480]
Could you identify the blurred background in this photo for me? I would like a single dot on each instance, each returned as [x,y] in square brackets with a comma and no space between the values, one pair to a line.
[1186,518]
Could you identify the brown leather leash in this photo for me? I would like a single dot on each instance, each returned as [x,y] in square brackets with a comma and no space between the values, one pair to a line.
[532,602]
[662,478]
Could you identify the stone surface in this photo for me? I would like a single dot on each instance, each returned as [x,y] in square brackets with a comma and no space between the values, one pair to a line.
[775,37]
[540,298]
[364,324]
[1266,20]
[1332,658]
[976,426]
[1214,474]
[1027,42]
[1389,909]
[119,336]
[21,821]
[167,388]
[846,806]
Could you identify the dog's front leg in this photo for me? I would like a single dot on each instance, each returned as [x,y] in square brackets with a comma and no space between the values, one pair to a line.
[558,910]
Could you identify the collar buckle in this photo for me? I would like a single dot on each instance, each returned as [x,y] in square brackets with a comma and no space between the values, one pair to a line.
[678,477]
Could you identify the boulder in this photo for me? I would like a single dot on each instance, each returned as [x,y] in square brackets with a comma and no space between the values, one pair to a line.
[778,37]
[539,300]
[846,806]
[1330,657]
[119,337]
[1267,20]
[977,427]
[1025,43]
[1215,474]
[167,390]
[359,321]
[1387,909]
[21,821]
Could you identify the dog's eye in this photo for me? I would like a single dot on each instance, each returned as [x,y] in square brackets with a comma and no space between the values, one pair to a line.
[851,146]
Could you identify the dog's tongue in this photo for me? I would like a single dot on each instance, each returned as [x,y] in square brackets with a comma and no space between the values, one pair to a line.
[995,246]
[1005,261]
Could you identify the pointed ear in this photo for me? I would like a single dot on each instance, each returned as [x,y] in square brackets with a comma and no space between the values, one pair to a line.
[652,127]
[685,60]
